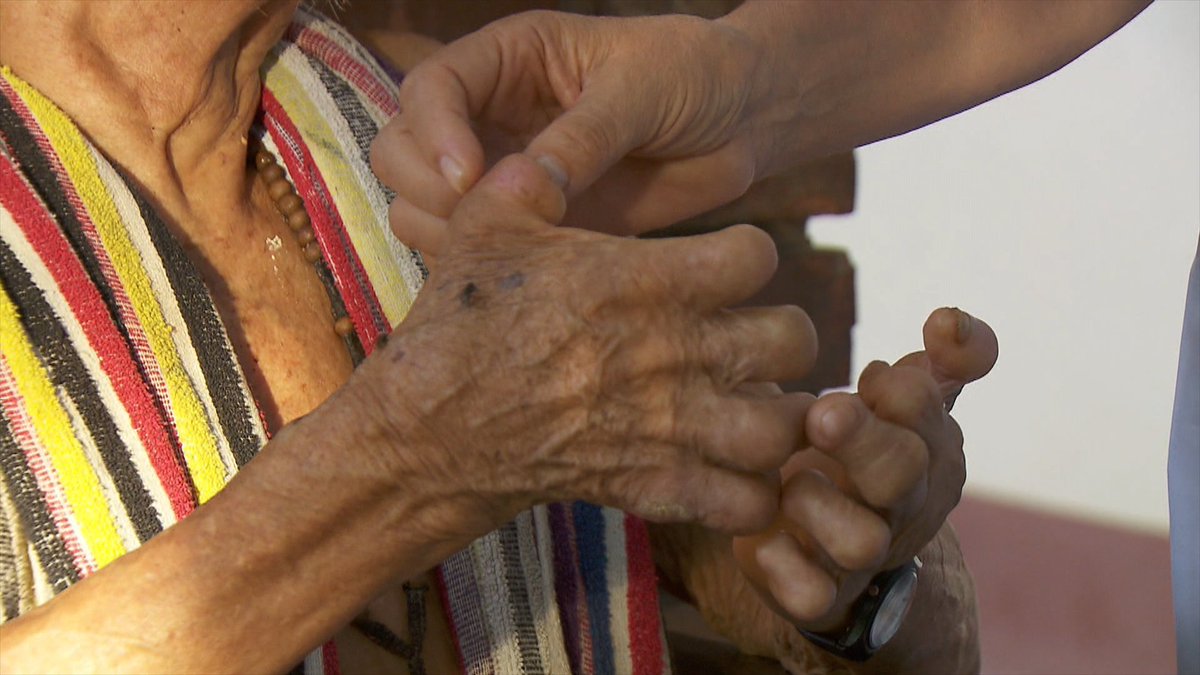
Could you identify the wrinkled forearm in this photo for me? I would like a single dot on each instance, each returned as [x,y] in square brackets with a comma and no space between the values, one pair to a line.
[940,634]
[271,567]
[839,75]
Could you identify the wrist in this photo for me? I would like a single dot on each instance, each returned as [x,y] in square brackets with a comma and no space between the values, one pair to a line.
[774,122]
[415,444]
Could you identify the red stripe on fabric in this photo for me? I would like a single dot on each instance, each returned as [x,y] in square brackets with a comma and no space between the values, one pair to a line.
[129,319]
[645,639]
[361,303]
[43,473]
[439,581]
[580,611]
[329,659]
[333,55]
[42,232]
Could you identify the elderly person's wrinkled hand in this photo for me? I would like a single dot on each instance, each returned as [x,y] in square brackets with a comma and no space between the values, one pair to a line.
[886,468]
[569,364]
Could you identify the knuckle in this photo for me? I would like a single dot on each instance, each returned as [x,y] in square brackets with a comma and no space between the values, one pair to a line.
[864,546]
[898,471]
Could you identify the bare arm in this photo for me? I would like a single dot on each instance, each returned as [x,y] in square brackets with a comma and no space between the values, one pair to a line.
[727,102]
[266,570]
[496,393]
[838,75]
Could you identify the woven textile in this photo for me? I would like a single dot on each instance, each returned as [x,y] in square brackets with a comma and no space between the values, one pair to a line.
[123,406]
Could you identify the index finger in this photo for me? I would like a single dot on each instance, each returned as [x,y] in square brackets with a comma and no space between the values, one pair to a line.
[438,100]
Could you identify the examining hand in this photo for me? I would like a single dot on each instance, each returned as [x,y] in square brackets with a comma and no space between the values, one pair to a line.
[647,120]
[562,364]
[885,469]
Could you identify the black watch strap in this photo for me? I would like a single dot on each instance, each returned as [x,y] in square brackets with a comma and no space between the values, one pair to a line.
[859,641]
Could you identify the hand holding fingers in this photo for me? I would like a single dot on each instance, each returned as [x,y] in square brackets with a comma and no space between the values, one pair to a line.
[583,366]
[887,461]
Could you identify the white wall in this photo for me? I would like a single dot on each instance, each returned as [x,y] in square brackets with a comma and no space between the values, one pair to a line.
[1067,215]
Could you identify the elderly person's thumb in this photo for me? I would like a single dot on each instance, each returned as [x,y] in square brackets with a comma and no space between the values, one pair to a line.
[604,125]
[518,193]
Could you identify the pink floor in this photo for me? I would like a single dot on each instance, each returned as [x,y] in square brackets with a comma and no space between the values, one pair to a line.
[1059,596]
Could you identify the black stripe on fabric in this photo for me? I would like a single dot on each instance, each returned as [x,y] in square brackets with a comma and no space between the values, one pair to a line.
[349,107]
[38,171]
[518,597]
[10,589]
[338,307]
[35,515]
[236,415]
[67,372]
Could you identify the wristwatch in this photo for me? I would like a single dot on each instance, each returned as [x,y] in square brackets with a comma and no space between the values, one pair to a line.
[875,617]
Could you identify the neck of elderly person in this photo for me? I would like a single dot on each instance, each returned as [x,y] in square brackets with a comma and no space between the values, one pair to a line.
[168,92]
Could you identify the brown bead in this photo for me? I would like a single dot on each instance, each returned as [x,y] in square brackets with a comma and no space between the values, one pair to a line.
[298,220]
[279,188]
[289,204]
[305,236]
[343,326]
[263,159]
[271,173]
[312,252]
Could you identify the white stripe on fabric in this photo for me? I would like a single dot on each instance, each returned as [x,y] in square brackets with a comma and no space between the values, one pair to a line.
[164,294]
[116,507]
[537,563]
[41,467]
[617,574]
[488,561]
[117,412]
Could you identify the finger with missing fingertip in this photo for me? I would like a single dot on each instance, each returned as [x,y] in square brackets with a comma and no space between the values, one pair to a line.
[760,344]
[800,586]
[960,347]
[715,270]
[851,535]
[728,501]
[887,463]
[748,433]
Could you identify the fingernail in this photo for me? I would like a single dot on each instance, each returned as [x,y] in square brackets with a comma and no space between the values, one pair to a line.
[553,167]
[453,171]
[965,323]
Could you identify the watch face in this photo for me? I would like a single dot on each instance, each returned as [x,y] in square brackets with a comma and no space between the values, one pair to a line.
[892,610]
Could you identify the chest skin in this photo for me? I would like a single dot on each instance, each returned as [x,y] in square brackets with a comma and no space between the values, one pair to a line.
[278,316]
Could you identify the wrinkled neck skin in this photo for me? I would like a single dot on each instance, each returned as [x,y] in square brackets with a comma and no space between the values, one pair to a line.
[167,90]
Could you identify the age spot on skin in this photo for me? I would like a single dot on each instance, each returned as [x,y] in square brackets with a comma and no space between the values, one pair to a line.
[514,280]
[469,296]
[398,356]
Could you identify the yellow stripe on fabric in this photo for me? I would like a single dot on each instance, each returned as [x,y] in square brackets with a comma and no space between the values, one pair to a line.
[80,485]
[194,429]
[359,218]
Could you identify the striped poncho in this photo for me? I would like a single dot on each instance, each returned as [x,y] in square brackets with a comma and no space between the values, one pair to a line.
[123,407]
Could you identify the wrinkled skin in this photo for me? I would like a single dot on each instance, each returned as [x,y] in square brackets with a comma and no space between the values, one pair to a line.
[566,364]
[885,468]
